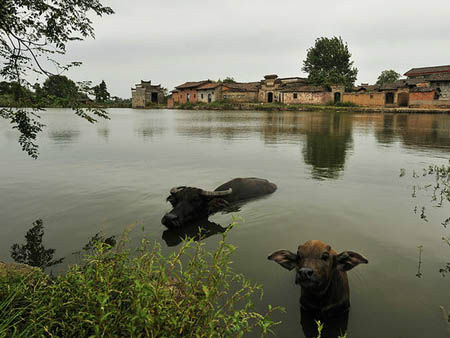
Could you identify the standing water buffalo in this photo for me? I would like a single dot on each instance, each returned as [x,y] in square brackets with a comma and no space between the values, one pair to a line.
[191,204]
[321,273]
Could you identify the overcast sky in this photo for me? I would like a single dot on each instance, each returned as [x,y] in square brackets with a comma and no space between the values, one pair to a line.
[173,41]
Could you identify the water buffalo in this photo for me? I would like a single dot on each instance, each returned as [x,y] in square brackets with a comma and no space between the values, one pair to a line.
[321,273]
[191,204]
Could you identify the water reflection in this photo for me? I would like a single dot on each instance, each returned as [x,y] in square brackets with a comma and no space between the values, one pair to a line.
[198,231]
[64,136]
[334,327]
[413,130]
[33,252]
[103,132]
[327,143]
[149,128]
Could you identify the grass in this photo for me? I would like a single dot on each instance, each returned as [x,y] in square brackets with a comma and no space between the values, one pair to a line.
[119,292]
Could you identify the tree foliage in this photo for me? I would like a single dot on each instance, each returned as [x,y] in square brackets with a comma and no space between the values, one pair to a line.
[101,92]
[328,63]
[33,31]
[388,76]
[60,86]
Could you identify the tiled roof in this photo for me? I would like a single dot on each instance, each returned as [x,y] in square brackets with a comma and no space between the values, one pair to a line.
[369,88]
[301,87]
[192,84]
[439,77]
[242,86]
[394,85]
[211,85]
[428,70]
[422,89]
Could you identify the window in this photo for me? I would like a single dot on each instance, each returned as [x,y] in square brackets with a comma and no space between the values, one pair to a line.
[437,93]
[371,96]
[201,95]
[295,95]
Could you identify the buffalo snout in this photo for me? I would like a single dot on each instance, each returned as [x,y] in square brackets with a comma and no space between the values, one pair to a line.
[170,220]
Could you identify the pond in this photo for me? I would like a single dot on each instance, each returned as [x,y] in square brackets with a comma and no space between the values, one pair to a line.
[338,181]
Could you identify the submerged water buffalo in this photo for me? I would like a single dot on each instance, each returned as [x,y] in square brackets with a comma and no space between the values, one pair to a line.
[322,275]
[191,204]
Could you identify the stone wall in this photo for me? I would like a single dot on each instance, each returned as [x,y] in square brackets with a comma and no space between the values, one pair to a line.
[142,95]
[307,98]
[444,89]
[239,96]
[204,93]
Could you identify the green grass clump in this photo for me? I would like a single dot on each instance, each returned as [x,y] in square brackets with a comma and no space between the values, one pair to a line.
[118,292]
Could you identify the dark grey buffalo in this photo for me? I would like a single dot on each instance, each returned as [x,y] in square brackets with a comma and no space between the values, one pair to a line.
[192,204]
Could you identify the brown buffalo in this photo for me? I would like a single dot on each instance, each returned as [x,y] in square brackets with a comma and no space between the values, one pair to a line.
[322,275]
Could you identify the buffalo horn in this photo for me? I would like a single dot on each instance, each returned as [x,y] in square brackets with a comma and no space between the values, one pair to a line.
[216,193]
[174,190]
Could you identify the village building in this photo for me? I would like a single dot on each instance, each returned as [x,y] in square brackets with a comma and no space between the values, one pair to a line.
[427,87]
[209,92]
[240,91]
[432,86]
[187,92]
[145,94]
[296,90]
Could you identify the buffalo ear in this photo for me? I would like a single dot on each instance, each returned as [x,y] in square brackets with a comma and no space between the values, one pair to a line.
[285,258]
[216,204]
[347,260]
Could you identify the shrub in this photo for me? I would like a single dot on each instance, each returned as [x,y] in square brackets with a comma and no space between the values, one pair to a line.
[119,292]
[342,104]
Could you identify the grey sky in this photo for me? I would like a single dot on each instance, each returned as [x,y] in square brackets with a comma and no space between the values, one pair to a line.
[173,41]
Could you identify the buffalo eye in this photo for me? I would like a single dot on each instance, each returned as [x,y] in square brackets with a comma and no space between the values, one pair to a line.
[325,256]
[172,200]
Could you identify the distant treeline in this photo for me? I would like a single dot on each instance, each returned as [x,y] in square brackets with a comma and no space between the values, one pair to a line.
[59,91]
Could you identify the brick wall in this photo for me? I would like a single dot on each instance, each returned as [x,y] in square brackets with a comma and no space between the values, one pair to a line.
[182,94]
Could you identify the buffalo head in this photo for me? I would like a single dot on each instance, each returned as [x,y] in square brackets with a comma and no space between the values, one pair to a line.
[191,204]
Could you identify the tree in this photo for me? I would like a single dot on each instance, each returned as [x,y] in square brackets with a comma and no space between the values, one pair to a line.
[387,76]
[229,79]
[328,63]
[101,92]
[36,30]
[60,86]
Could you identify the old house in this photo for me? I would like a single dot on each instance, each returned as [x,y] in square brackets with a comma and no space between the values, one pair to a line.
[270,88]
[394,94]
[240,92]
[145,94]
[432,87]
[208,92]
[296,90]
[187,92]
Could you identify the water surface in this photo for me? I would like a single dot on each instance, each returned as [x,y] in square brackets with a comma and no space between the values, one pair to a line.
[338,181]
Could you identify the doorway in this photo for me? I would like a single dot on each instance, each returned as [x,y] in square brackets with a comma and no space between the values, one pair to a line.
[337,97]
[154,97]
[270,97]
[389,98]
[403,99]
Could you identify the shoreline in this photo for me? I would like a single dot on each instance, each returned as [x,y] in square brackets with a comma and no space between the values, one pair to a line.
[304,108]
